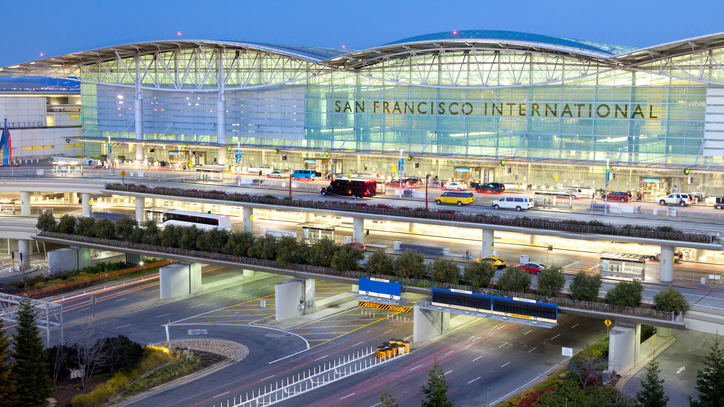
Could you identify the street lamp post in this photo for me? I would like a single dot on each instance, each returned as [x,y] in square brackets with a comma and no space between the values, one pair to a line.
[290,184]
[427,180]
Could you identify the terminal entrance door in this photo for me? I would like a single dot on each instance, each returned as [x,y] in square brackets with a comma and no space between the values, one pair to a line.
[653,187]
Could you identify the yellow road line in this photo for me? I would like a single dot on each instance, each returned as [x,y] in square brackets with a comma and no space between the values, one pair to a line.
[232,316]
[339,336]
[321,333]
[333,326]
[247,302]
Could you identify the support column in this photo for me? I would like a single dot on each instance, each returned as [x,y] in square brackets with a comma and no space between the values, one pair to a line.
[179,279]
[428,324]
[24,249]
[666,265]
[288,297]
[309,292]
[535,239]
[87,211]
[205,208]
[488,242]
[138,110]
[308,217]
[248,215]
[221,110]
[358,229]
[413,227]
[140,206]
[623,347]
[25,203]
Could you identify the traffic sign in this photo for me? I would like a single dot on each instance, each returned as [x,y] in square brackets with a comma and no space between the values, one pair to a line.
[607,322]
[401,165]
[123,173]
[238,155]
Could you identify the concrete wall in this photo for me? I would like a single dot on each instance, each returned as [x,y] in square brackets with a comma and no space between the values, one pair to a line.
[287,296]
[428,324]
[622,348]
[68,259]
[179,279]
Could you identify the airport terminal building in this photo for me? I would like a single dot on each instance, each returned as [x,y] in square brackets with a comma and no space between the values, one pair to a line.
[463,105]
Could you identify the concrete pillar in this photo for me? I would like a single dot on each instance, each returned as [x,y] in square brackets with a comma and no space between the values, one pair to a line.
[248,215]
[623,347]
[428,324]
[247,273]
[140,206]
[25,203]
[288,298]
[221,110]
[413,227]
[358,229]
[74,198]
[24,249]
[134,259]
[308,217]
[355,288]
[666,265]
[205,208]
[221,156]
[488,242]
[156,202]
[663,332]
[535,239]
[87,211]
[309,292]
[179,279]
[138,110]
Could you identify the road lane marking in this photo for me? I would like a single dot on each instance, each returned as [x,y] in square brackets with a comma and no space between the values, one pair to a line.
[121,299]
[123,326]
[267,377]
[416,367]
[574,326]
[349,395]
[321,357]
[505,364]
[449,352]
[219,395]
[389,330]
[83,309]
[532,349]
[358,343]
[375,405]
[528,332]
[474,379]
[477,358]
[504,343]
[163,315]
[555,336]
[448,372]
[577,261]
[198,305]
[500,327]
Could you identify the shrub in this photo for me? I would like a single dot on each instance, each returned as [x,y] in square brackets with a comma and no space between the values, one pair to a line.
[479,273]
[124,228]
[380,263]
[347,258]
[625,293]
[671,300]
[85,227]
[105,228]
[322,253]
[46,221]
[67,224]
[410,265]
[445,271]
[515,279]
[550,281]
[585,287]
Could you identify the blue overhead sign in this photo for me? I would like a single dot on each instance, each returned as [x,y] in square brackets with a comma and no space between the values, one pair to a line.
[377,287]
[238,155]
[401,165]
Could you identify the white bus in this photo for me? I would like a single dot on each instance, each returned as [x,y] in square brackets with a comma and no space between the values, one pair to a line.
[205,221]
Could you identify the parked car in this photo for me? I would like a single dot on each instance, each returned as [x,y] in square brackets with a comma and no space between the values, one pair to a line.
[494,261]
[675,199]
[456,198]
[305,174]
[518,203]
[276,174]
[719,203]
[358,245]
[532,268]
[622,196]
[455,186]
[494,187]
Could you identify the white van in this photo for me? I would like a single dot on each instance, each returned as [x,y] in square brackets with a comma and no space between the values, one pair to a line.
[518,203]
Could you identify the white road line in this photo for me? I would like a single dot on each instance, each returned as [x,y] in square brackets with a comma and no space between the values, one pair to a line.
[505,364]
[123,326]
[121,299]
[555,336]
[83,309]
[477,358]
[389,330]
[474,379]
[574,326]
[577,261]
[449,352]
[163,315]
[268,377]
[504,343]
[375,405]
[500,327]
[322,357]
[219,395]
[528,332]
[198,305]
[418,366]
[532,350]
[359,343]
[448,372]
[349,395]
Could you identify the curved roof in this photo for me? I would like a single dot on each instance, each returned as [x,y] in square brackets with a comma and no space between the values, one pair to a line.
[520,37]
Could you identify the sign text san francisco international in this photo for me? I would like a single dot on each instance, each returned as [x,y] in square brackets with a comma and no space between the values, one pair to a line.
[523,109]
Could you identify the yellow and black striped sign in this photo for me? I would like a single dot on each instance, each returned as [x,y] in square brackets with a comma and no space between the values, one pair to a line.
[368,304]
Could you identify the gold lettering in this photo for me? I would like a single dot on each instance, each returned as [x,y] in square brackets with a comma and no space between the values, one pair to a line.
[396,108]
[510,105]
[347,107]
[359,107]
[411,108]
[637,111]
[553,110]
[419,105]
[617,109]
[579,106]
[521,109]
[451,108]
[337,106]
[375,106]
[534,109]
[566,110]
[598,111]
[386,107]
[496,109]
[651,112]
[470,108]
[440,107]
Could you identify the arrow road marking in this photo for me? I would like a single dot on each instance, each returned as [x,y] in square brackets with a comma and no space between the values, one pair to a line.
[681,369]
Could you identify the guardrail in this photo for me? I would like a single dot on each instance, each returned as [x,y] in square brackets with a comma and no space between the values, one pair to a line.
[578,227]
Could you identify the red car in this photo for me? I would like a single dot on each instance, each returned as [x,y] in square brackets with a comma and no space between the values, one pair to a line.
[358,245]
[532,268]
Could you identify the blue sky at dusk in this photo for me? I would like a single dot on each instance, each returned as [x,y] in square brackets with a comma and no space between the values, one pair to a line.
[57,28]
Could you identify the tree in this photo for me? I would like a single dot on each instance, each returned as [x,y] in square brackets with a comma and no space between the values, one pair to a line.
[710,379]
[585,287]
[671,300]
[387,399]
[323,252]
[105,228]
[289,251]
[30,360]
[46,221]
[410,265]
[625,293]
[7,380]
[67,224]
[550,281]
[347,258]
[124,228]
[239,244]
[514,279]
[380,263]
[85,227]
[479,273]
[587,367]
[435,389]
[652,388]
[445,271]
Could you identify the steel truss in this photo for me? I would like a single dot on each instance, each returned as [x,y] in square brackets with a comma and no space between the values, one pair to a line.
[48,315]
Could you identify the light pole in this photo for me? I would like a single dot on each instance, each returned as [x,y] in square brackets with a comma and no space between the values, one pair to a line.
[427,180]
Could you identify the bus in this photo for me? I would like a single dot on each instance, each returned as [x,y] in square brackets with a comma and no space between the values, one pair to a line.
[361,188]
[205,221]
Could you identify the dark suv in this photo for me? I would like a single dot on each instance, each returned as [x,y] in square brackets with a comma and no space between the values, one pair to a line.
[491,187]
[622,196]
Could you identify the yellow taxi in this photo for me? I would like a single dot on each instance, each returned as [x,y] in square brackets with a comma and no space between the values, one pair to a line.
[455,198]
[494,261]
